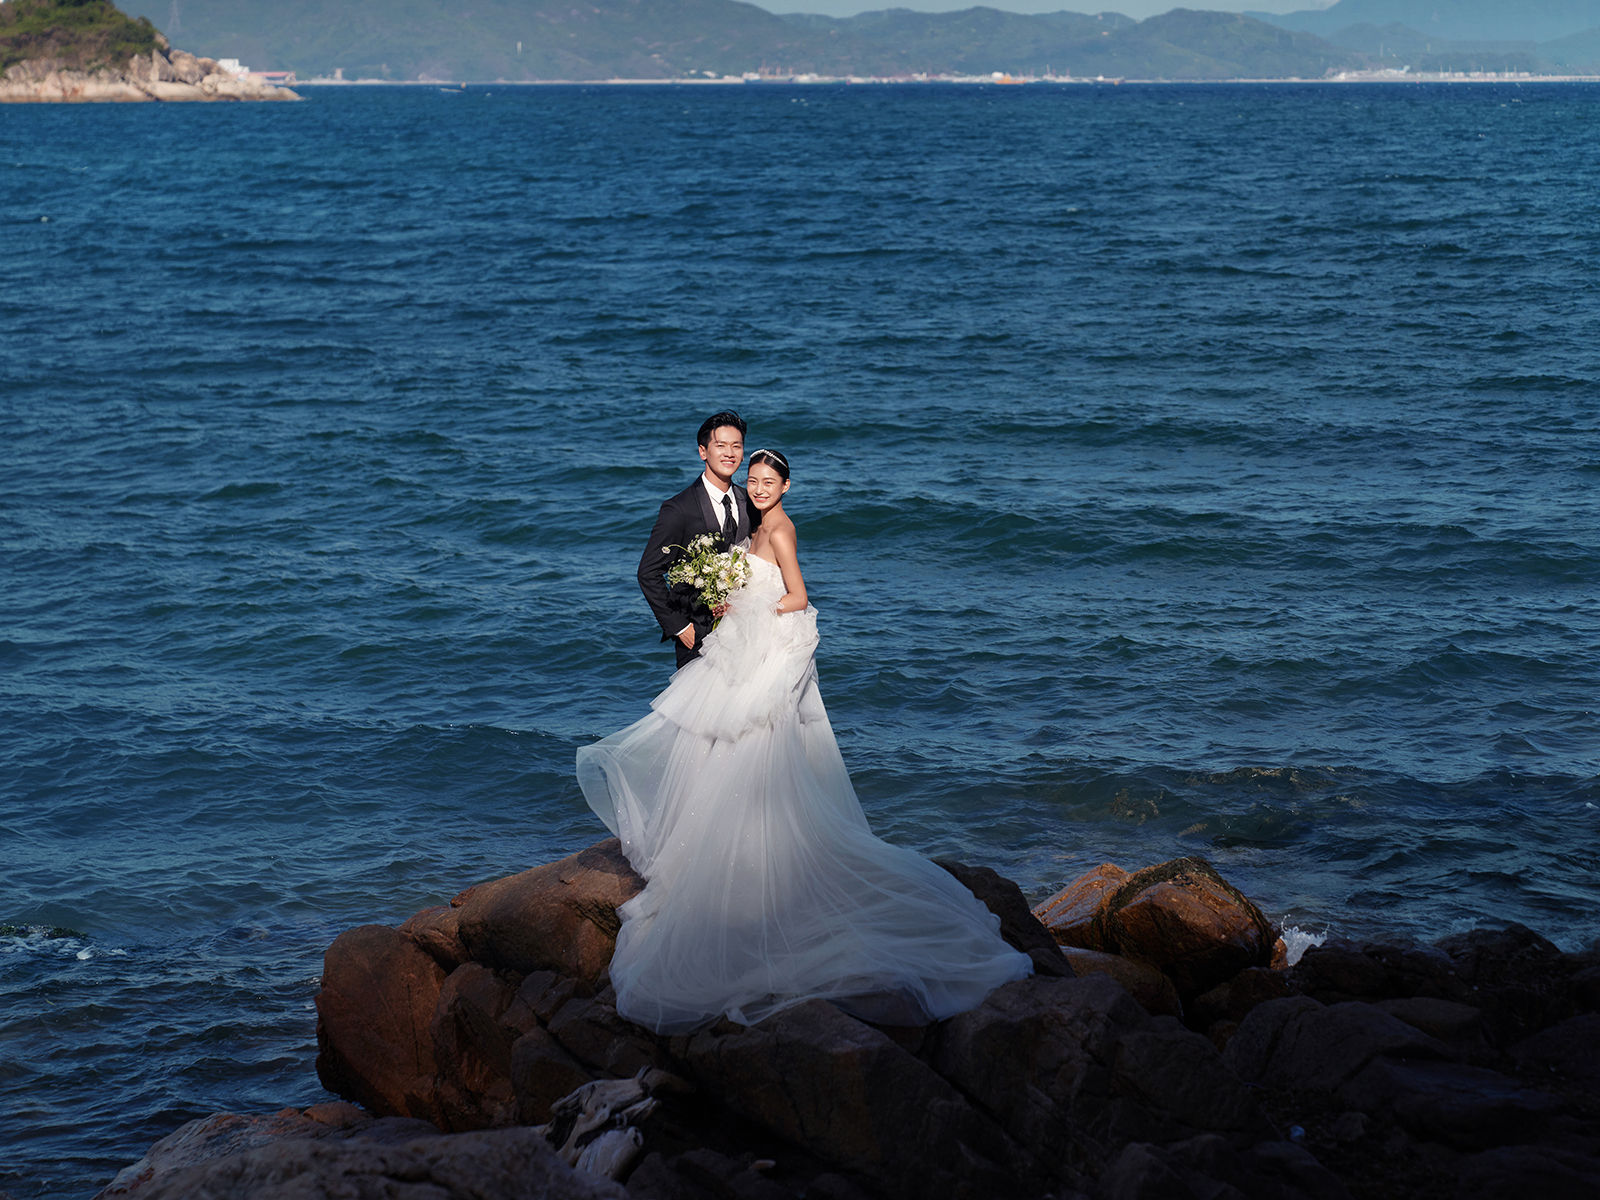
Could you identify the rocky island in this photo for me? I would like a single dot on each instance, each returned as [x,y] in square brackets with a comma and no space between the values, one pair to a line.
[1164,1049]
[86,51]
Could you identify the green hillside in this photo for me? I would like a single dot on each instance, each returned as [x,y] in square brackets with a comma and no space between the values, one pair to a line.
[665,39]
[420,39]
[1578,53]
[85,35]
[1455,20]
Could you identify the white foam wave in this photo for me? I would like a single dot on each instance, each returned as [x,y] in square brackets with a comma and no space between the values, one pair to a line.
[1297,941]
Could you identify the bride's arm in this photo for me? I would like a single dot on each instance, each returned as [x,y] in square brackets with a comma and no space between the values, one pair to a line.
[783,545]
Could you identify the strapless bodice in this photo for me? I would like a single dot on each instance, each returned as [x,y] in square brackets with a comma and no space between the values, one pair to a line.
[761,569]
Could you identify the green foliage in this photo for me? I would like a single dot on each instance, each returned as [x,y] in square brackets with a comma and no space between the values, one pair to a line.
[85,34]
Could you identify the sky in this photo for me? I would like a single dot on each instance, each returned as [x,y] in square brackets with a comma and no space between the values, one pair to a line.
[1138,9]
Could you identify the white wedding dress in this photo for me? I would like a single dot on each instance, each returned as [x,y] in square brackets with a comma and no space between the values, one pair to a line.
[764,885]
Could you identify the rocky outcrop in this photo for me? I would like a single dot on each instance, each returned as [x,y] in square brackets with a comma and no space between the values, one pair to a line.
[507,1164]
[161,75]
[1518,981]
[1073,1068]
[223,1135]
[1180,917]
[375,1023]
[1363,1070]
[434,1019]
[851,1095]
[560,917]
[1153,991]
[1020,928]
[1036,1091]
[1069,914]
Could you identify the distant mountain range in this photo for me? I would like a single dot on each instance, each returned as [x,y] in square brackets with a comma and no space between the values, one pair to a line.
[1527,21]
[666,39]
[1433,35]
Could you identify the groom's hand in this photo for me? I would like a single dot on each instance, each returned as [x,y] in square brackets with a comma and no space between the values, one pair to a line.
[687,637]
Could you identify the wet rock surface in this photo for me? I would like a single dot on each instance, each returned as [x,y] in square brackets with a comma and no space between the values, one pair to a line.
[1467,1067]
[508,1164]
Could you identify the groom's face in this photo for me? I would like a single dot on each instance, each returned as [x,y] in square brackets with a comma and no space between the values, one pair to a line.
[723,452]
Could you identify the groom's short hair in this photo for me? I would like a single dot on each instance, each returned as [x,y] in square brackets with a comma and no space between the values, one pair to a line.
[717,422]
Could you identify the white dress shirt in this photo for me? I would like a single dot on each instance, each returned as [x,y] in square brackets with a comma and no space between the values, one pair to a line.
[716,507]
[716,498]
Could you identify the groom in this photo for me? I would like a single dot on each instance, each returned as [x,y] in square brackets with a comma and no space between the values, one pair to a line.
[713,503]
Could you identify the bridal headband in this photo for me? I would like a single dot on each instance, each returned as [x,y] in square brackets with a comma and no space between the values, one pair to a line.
[771,454]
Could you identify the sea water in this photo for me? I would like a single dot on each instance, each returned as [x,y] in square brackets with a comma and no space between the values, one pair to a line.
[1178,470]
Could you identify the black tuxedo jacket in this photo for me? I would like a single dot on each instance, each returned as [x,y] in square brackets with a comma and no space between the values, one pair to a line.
[686,515]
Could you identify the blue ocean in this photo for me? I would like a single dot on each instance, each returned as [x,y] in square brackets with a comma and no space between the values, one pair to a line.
[1178,470]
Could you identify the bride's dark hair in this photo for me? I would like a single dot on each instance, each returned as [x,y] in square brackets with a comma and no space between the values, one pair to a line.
[773,459]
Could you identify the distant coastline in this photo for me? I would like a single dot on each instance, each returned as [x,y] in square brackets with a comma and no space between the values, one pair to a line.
[967,80]
[722,39]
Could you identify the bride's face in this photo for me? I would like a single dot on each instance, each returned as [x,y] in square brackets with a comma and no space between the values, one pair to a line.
[765,485]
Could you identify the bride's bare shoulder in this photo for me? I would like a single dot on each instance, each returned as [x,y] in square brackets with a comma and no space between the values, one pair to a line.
[781,527]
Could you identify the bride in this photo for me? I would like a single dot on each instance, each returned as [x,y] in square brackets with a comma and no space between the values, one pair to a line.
[764,885]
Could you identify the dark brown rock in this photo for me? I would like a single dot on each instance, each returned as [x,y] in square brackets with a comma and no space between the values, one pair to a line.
[559,917]
[1170,1082]
[1520,980]
[206,1138]
[849,1095]
[729,1178]
[1296,1044]
[1068,1067]
[438,931]
[1189,921]
[1233,1000]
[472,1050]
[1280,956]
[1459,1026]
[223,1134]
[1372,1061]
[1521,1172]
[1069,914]
[540,997]
[1570,1050]
[542,1073]
[1147,984]
[1467,1108]
[594,1033]
[1143,1172]
[1020,928]
[1295,1166]
[1337,971]
[1209,1166]
[1586,985]
[379,992]
[505,1164]
[657,1178]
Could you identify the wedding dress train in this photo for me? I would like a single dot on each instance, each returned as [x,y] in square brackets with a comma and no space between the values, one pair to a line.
[765,886]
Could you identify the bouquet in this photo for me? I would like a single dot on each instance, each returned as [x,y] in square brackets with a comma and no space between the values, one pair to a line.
[716,572]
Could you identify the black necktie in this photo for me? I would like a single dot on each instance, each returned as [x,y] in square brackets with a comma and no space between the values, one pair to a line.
[729,525]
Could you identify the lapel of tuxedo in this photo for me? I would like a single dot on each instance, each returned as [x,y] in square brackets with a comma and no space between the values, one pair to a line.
[712,518]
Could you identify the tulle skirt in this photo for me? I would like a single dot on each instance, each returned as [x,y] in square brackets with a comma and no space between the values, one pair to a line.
[764,885]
